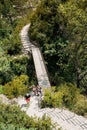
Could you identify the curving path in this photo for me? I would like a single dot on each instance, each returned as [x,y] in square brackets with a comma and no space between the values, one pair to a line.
[62,118]
[40,68]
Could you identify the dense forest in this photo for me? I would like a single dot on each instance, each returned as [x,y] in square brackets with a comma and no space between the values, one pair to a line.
[13,16]
[60,28]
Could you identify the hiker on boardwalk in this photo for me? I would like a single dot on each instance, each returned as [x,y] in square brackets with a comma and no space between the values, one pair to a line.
[27,99]
[34,90]
[39,89]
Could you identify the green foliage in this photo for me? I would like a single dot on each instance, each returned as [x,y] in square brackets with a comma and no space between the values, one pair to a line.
[68,96]
[19,64]
[11,23]
[64,97]
[75,17]
[4,126]
[18,86]
[12,20]
[81,105]
[12,118]
[49,38]
[63,39]
[14,66]
[1,89]
[44,123]
[5,70]
[23,65]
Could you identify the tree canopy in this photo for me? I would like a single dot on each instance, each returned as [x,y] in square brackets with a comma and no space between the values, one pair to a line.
[13,16]
[60,27]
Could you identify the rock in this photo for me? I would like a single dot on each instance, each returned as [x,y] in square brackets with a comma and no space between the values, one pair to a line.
[4,99]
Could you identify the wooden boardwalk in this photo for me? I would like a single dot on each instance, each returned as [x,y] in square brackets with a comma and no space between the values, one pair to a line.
[65,119]
[39,64]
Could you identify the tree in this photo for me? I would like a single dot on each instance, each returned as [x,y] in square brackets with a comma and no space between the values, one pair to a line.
[5,70]
[14,14]
[76,32]
[45,30]
[18,65]
[60,28]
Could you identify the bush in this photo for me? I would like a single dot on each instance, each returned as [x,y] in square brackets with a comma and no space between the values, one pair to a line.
[81,106]
[47,99]
[1,89]
[4,126]
[12,118]
[65,96]
[18,86]
[68,96]
[19,64]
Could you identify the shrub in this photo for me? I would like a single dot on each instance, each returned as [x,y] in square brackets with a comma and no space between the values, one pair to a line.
[18,86]
[4,126]
[81,106]
[64,96]
[68,96]
[19,64]
[11,118]
[47,99]
[1,89]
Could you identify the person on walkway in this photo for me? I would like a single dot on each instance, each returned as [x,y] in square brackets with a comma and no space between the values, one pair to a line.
[27,98]
[34,90]
[39,90]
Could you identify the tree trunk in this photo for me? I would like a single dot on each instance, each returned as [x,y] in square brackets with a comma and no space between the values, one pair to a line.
[77,80]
